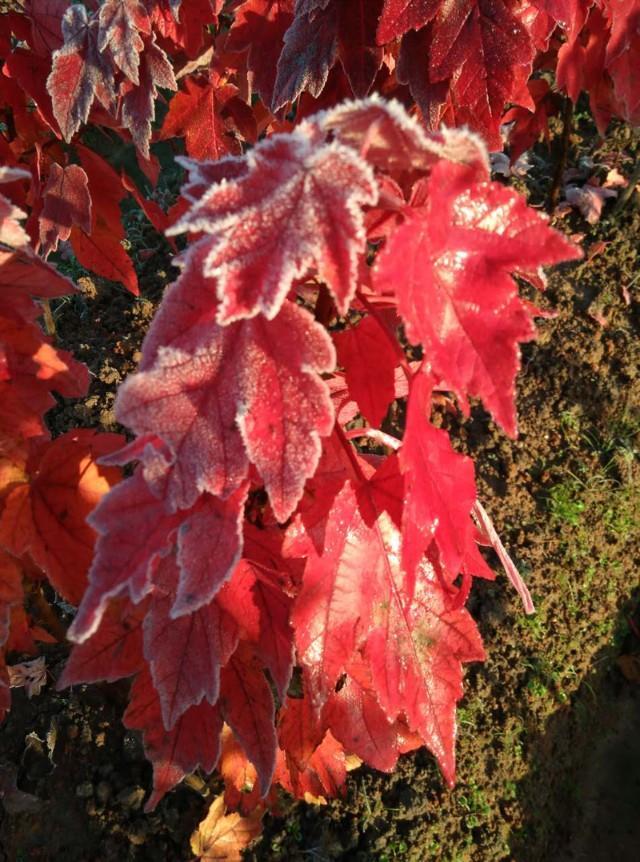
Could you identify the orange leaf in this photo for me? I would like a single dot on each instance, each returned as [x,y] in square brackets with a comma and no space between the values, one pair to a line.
[47,518]
[223,837]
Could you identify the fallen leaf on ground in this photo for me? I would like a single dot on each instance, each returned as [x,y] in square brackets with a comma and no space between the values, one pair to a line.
[223,837]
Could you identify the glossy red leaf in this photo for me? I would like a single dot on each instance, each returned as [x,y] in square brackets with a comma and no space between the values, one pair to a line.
[300,730]
[323,777]
[11,592]
[455,292]
[416,650]
[259,27]
[195,114]
[46,18]
[440,488]
[479,57]
[101,250]
[336,602]
[623,55]
[359,723]
[247,705]
[369,360]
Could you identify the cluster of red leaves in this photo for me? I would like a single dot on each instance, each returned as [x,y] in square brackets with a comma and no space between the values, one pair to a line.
[254,544]
[107,65]
[280,597]
[47,488]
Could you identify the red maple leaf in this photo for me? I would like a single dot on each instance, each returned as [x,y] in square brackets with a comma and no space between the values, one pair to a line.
[100,249]
[47,516]
[185,655]
[440,491]
[66,202]
[295,206]
[80,73]
[113,651]
[139,100]
[252,386]
[196,115]
[355,603]
[369,359]
[258,28]
[320,33]
[247,705]
[455,291]
[476,56]
[120,24]
[359,723]
[623,56]
[193,741]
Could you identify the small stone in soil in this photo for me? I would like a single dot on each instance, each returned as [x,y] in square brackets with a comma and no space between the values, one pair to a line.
[103,792]
[138,835]
[84,790]
[131,797]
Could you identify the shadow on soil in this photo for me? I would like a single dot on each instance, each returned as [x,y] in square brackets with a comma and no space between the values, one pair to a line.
[587,806]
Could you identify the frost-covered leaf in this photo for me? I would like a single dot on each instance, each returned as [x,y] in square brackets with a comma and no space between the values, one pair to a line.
[185,655]
[221,397]
[295,207]
[80,73]
[309,52]
[120,25]
[209,543]
[138,100]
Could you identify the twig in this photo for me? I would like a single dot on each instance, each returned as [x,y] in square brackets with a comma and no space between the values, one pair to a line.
[627,193]
[567,125]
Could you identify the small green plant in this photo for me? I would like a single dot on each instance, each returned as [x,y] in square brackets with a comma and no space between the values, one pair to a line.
[565,503]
